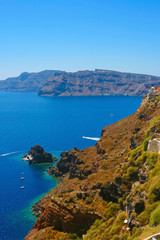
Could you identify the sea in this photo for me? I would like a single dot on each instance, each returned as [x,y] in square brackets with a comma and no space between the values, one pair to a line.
[57,124]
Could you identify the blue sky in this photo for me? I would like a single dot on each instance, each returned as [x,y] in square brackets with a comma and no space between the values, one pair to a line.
[73,35]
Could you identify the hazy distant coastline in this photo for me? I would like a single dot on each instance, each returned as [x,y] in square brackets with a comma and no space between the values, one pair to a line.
[81,83]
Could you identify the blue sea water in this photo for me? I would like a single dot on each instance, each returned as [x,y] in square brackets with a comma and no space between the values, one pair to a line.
[57,124]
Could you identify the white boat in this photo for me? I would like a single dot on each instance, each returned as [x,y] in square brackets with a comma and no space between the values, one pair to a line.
[22,178]
[22,187]
[92,138]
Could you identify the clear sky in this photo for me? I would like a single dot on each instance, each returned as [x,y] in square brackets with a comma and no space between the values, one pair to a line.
[76,35]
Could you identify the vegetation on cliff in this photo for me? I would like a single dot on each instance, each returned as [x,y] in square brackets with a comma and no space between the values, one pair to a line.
[110,191]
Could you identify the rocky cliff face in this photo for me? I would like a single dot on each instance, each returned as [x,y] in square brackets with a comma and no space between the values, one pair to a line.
[26,81]
[116,183]
[98,82]
[81,83]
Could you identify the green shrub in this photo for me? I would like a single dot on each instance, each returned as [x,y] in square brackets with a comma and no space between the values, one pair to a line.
[137,232]
[97,223]
[154,189]
[113,209]
[134,229]
[132,172]
[151,159]
[97,230]
[116,237]
[121,217]
[153,123]
[153,99]
[155,217]
[135,153]
[120,201]
[110,221]
[105,235]
[157,98]
[73,236]
[125,166]
[140,160]
[143,218]
[150,207]
[115,229]
[156,170]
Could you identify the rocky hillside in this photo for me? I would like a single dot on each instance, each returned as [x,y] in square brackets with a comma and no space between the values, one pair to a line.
[110,191]
[26,81]
[81,83]
[98,82]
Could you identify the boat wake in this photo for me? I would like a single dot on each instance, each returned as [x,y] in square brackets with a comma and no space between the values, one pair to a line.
[6,154]
[92,138]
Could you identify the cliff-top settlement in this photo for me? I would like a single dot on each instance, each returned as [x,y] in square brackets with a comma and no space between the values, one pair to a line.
[110,191]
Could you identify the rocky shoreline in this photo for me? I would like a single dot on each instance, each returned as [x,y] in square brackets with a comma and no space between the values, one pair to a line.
[109,191]
[37,155]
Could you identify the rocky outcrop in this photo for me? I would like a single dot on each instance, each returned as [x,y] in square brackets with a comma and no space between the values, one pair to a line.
[36,208]
[133,144]
[37,155]
[153,94]
[154,145]
[69,163]
[64,165]
[64,219]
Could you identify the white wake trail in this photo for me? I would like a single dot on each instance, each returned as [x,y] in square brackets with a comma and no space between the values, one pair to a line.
[92,138]
[6,154]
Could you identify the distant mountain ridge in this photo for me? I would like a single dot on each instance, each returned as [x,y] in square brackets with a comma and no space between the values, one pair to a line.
[26,81]
[81,83]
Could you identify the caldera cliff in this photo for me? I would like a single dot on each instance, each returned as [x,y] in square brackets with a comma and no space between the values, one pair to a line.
[110,191]
[98,82]
[81,83]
